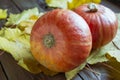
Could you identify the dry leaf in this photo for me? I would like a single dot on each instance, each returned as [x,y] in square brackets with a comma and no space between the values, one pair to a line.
[68,4]
[3,14]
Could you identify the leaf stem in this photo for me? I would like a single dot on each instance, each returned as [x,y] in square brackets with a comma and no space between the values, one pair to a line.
[92,7]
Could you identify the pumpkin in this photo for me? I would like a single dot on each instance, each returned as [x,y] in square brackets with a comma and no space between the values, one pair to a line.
[59,41]
[102,21]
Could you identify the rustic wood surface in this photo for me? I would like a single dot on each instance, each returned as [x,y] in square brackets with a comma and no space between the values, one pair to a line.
[9,70]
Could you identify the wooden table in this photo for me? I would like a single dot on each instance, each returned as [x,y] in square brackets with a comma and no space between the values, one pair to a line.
[9,70]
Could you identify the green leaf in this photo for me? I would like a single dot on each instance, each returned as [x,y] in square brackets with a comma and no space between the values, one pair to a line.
[68,4]
[18,46]
[3,13]
[10,33]
[26,26]
[57,3]
[69,75]
[99,54]
[114,54]
[15,19]
[16,41]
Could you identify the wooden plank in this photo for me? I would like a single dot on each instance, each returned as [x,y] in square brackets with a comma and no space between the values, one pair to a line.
[116,2]
[2,74]
[112,6]
[77,77]
[96,72]
[13,71]
[27,4]
[43,5]
[7,4]
[41,76]
[89,75]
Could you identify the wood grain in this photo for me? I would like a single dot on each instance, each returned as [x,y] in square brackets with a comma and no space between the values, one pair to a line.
[2,73]
[26,4]
[10,70]
[15,72]
[7,4]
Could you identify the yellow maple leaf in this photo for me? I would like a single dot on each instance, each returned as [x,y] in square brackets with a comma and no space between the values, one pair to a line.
[75,3]
[57,3]
[68,4]
[3,13]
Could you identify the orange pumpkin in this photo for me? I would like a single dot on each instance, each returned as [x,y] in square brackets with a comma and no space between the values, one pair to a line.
[61,40]
[102,21]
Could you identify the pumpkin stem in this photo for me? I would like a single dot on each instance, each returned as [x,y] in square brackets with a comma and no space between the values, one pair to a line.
[48,40]
[92,7]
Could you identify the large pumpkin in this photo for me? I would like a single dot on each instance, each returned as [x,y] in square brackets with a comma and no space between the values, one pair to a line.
[102,21]
[61,40]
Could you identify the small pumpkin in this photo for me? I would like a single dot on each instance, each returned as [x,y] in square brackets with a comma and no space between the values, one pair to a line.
[102,22]
[59,41]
